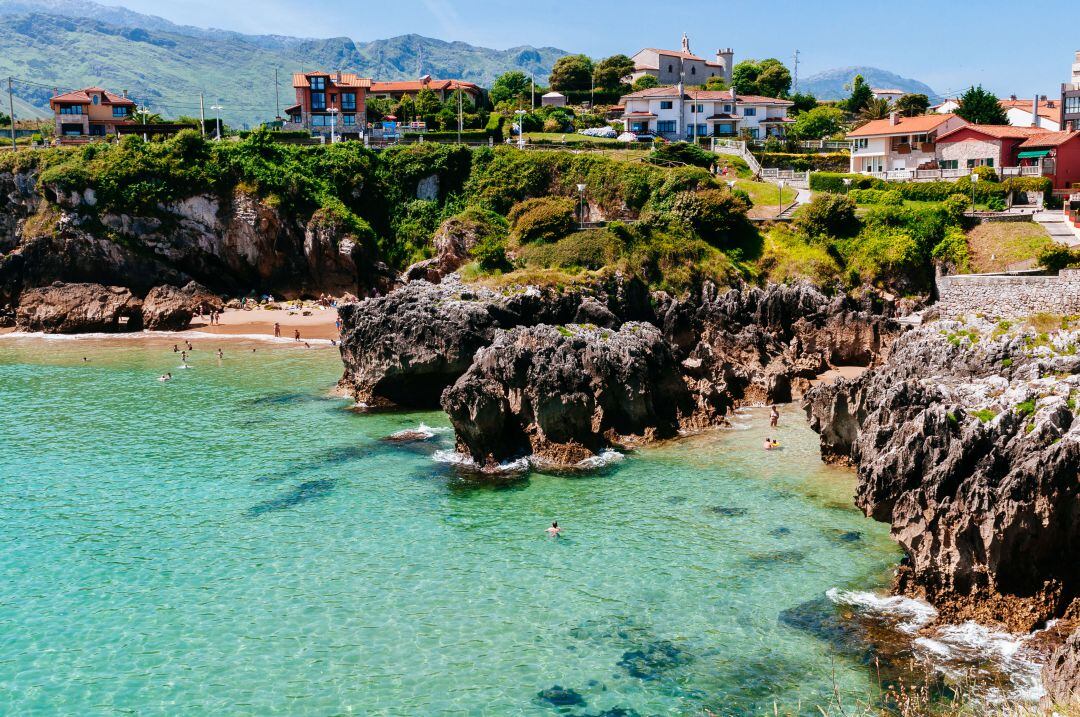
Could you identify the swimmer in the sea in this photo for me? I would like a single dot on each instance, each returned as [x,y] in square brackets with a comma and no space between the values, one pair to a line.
[166,377]
[220,355]
[554,530]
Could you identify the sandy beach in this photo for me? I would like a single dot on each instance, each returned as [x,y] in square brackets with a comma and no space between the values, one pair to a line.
[319,325]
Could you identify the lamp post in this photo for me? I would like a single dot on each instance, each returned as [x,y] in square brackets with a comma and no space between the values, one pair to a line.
[847,184]
[780,184]
[581,205]
[217,118]
[521,128]
[974,181]
[333,123]
[731,185]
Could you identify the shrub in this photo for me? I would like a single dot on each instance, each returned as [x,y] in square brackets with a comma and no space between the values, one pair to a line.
[714,214]
[834,182]
[956,205]
[789,257]
[985,415]
[953,250]
[590,249]
[682,153]
[1026,408]
[828,215]
[542,219]
[985,174]
[1057,257]
[876,196]
[996,203]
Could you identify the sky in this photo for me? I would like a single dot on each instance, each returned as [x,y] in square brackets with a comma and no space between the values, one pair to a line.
[948,45]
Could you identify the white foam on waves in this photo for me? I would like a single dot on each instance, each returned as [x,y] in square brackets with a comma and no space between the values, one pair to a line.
[523,464]
[906,613]
[424,430]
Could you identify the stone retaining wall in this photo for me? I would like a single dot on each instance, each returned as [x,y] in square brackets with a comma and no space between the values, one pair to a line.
[1008,296]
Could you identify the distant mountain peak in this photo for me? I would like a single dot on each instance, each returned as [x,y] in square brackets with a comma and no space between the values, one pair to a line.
[829,84]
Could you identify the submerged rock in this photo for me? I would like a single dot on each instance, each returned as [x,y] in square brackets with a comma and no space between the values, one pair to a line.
[973,459]
[565,393]
[79,308]
[561,697]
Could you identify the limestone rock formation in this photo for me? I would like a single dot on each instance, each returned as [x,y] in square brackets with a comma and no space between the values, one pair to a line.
[167,308]
[967,443]
[453,241]
[565,393]
[1061,675]
[79,308]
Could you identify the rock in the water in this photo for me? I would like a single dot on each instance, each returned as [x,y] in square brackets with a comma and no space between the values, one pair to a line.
[967,442]
[1061,675]
[565,393]
[167,308]
[79,308]
[559,696]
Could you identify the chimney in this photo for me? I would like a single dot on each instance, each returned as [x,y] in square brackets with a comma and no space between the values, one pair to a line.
[731,92]
[1012,97]
[125,93]
[337,77]
[1035,111]
[893,119]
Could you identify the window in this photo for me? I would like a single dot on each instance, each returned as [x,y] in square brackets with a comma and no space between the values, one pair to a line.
[727,109]
[348,101]
[861,143]
[71,109]
[318,100]
[669,69]
[973,163]
[949,164]
[321,121]
[318,84]
[754,133]
[119,111]
[750,112]
[693,70]
[919,139]
[348,119]
[699,108]
[665,126]
[96,99]
[1072,105]
[665,104]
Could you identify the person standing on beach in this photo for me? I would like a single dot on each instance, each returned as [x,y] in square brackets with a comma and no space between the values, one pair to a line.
[277,330]
[296,335]
[774,416]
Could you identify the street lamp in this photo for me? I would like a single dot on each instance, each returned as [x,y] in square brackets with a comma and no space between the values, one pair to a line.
[333,123]
[581,204]
[847,184]
[731,185]
[217,114]
[974,181]
[781,185]
[521,127]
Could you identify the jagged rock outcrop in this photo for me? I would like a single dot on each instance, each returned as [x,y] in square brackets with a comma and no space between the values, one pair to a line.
[404,348]
[167,308]
[565,393]
[1061,675]
[79,308]
[453,241]
[967,443]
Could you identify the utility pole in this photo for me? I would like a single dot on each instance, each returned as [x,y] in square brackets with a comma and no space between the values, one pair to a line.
[795,84]
[532,91]
[277,95]
[217,114]
[11,109]
[202,115]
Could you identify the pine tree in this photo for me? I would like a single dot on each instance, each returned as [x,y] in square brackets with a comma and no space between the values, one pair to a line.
[981,107]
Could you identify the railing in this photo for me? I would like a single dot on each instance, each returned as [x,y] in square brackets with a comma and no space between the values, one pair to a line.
[737,147]
[906,175]
[772,173]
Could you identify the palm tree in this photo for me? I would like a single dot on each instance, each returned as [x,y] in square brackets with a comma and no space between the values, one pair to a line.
[875,109]
[143,115]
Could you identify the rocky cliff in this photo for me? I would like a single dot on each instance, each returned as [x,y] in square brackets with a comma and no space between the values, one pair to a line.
[522,367]
[966,443]
[232,244]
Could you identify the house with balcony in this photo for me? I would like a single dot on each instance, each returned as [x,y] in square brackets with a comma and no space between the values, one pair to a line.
[443,89]
[899,144]
[671,67]
[328,101]
[983,145]
[1057,155]
[677,113]
[89,113]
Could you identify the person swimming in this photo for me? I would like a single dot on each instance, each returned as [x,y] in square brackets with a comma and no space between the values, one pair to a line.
[175,349]
[220,355]
[554,530]
[771,443]
[166,377]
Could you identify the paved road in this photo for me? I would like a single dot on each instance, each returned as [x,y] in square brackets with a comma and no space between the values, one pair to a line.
[1055,225]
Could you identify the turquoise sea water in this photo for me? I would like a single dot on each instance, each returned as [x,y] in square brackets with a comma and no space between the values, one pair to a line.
[235,541]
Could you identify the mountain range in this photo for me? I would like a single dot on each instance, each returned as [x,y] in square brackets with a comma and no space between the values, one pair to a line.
[65,44]
[830,84]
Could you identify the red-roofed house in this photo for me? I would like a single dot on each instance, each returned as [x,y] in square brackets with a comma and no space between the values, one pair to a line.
[672,66]
[984,145]
[442,88]
[704,113]
[1058,153]
[899,144]
[325,100]
[90,112]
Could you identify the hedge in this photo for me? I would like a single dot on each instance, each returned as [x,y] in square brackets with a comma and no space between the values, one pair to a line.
[929,191]
[822,162]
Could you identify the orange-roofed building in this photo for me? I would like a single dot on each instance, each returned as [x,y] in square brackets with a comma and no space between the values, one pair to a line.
[983,145]
[329,100]
[90,112]
[443,89]
[1058,156]
[899,144]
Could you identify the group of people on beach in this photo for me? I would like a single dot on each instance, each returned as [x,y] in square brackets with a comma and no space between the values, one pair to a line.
[215,318]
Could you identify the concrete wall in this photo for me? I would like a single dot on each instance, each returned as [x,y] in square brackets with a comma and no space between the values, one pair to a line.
[1002,296]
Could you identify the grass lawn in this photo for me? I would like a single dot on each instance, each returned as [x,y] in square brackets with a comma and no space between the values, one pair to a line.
[765,196]
[996,245]
[571,137]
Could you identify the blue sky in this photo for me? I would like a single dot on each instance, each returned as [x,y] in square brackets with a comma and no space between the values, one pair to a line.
[948,45]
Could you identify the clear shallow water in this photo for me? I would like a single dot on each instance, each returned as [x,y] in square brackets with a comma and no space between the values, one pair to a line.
[235,541]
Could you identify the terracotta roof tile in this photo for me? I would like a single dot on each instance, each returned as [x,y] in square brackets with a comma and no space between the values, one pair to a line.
[1050,109]
[676,53]
[348,79]
[998,131]
[922,123]
[1050,139]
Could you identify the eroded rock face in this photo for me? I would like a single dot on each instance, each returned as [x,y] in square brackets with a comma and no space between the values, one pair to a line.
[404,348]
[1061,676]
[453,241]
[565,393]
[79,308]
[971,451]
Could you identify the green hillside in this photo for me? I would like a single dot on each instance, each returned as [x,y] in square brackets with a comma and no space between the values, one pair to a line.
[167,69]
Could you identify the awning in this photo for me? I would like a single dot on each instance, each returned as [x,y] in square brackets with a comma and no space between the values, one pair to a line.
[1033,154]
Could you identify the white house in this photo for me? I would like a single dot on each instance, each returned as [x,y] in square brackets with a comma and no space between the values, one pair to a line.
[899,143]
[669,113]
[887,94]
[673,66]
[1021,113]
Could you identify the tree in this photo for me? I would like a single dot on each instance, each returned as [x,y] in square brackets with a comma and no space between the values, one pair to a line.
[142,115]
[572,72]
[644,82]
[803,102]
[609,72]
[981,107]
[378,107]
[427,105]
[4,119]
[912,105]
[718,84]
[875,109]
[769,78]
[861,94]
[818,123]
[510,86]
